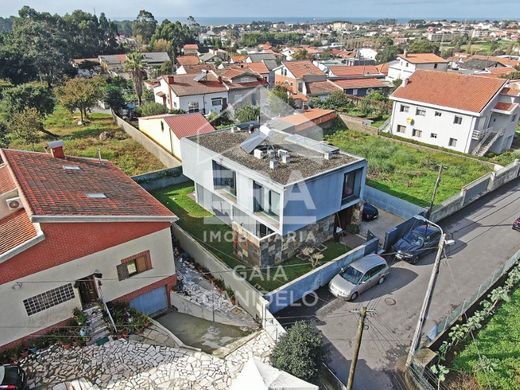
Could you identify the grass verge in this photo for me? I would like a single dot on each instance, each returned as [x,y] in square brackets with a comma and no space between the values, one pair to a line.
[84,141]
[202,225]
[408,171]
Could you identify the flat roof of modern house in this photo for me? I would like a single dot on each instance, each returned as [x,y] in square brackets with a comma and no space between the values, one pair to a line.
[306,155]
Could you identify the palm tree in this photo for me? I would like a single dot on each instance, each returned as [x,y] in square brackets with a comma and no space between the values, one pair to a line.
[135,65]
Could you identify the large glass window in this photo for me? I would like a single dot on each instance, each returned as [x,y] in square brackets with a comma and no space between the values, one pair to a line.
[266,200]
[224,179]
[349,182]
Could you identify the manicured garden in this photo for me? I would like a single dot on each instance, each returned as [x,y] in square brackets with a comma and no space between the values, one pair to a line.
[203,226]
[84,141]
[406,170]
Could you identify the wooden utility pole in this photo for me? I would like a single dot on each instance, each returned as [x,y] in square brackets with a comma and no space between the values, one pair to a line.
[435,189]
[353,364]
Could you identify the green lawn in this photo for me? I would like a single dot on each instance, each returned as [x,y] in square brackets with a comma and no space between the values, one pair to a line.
[202,225]
[408,171]
[83,141]
[498,341]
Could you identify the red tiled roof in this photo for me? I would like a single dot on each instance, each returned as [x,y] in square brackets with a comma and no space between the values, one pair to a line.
[504,106]
[301,69]
[185,85]
[188,60]
[321,87]
[355,71]
[343,53]
[51,190]
[16,229]
[454,90]
[186,125]
[239,58]
[191,46]
[361,83]
[6,181]
[197,68]
[383,68]
[311,115]
[422,58]
[258,67]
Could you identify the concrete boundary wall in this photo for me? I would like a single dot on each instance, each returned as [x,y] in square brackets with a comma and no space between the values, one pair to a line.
[248,297]
[390,203]
[157,180]
[359,124]
[319,277]
[150,145]
[476,190]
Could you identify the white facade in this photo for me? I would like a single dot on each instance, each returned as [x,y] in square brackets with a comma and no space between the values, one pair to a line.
[16,321]
[158,130]
[452,128]
[402,69]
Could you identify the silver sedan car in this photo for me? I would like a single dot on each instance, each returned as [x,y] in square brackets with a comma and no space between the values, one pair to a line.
[359,276]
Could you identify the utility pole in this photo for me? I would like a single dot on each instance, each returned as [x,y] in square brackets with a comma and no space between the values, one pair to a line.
[353,364]
[426,302]
[435,189]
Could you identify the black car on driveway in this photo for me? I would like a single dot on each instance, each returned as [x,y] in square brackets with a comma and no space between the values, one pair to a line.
[369,212]
[418,242]
[12,377]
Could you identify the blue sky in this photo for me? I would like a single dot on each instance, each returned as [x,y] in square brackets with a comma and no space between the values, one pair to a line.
[319,8]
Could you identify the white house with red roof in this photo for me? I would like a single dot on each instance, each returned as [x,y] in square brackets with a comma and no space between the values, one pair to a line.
[407,63]
[167,130]
[467,113]
[74,231]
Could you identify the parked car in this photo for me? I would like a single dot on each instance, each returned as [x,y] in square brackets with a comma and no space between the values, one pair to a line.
[516,224]
[369,212]
[417,242]
[359,276]
[12,377]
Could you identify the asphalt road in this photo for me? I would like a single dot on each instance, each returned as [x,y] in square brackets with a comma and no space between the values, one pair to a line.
[484,240]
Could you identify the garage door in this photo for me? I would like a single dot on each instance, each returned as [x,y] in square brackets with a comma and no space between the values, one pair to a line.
[152,302]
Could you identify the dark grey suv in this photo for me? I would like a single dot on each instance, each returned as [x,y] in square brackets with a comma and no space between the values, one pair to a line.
[417,243]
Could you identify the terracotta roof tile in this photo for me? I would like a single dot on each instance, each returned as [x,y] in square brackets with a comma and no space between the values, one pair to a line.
[504,106]
[355,71]
[186,125]
[422,58]
[197,68]
[447,89]
[49,189]
[258,67]
[188,60]
[16,229]
[311,115]
[361,83]
[301,69]
[185,85]
[321,87]
[6,181]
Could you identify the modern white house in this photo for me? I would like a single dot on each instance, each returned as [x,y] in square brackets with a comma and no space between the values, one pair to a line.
[278,191]
[407,63]
[75,231]
[466,113]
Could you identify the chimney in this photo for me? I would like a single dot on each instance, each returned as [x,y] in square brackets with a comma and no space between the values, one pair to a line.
[171,79]
[405,82]
[405,54]
[56,148]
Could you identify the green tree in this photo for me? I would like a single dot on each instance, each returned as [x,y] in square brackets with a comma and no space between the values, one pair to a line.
[30,95]
[279,102]
[423,46]
[144,25]
[301,54]
[387,54]
[177,34]
[135,65]
[300,351]
[114,98]
[26,125]
[15,64]
[337,100]
[80,94]
[150,109]
[4,139]
[246,113]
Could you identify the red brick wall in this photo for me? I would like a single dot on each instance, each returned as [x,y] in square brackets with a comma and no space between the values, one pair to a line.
[65,242]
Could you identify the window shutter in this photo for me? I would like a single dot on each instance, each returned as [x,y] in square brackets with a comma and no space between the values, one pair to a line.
[122,272]
[141,263]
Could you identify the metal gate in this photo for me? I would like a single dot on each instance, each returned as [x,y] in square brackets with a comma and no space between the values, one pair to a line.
[152,302]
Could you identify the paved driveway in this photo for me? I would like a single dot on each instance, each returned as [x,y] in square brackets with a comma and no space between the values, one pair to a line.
[484,241]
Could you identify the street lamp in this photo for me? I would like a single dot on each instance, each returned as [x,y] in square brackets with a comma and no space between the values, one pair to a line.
[429,290]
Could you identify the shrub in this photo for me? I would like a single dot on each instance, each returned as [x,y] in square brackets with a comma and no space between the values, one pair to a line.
[300,351]
[150,109]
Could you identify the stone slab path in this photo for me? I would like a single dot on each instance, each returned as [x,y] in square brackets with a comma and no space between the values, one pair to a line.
[125,365]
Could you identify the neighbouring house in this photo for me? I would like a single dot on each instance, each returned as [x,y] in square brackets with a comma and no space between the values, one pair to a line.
[320,89]
[406,64]
[187,60]
[209,91]
[167,130]
[479,63]
[364,86]
[75,231]
[86,67]
[466,113]
[355,72]
[114,64]
[194,69]
[309,123]
[296,76]
[277,191]
[190,49]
